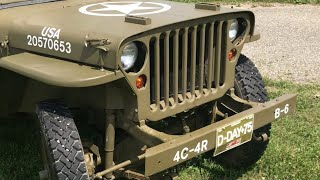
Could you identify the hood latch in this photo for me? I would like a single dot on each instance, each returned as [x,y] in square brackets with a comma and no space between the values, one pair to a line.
[208,6]
[137,20]
[98,43]
[101,45]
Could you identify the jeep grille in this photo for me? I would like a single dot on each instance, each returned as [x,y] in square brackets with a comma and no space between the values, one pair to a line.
[186,63]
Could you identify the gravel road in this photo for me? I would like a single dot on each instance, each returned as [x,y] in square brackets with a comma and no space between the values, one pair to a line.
[289,48]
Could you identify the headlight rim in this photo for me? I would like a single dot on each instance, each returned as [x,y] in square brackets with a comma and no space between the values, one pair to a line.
[237,29]
[135,56]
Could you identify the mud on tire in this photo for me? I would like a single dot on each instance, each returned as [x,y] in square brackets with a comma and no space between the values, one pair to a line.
[61,142]
[249,85]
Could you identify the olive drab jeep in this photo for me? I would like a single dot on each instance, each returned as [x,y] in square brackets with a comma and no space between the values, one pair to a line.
[132,89]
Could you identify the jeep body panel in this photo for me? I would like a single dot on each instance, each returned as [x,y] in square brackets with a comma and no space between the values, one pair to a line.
[76,28]
[57,72]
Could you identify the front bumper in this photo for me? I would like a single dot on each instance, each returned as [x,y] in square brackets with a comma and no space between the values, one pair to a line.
[164,156]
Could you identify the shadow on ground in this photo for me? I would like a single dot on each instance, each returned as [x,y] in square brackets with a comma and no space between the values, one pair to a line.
[19,149]
[205,168]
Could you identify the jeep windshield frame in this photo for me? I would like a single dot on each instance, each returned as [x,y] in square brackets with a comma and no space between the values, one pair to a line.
[17,3]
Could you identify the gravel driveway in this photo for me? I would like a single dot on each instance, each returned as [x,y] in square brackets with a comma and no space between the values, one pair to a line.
[289,48]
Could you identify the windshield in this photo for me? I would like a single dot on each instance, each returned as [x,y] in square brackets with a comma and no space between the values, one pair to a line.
[4,4]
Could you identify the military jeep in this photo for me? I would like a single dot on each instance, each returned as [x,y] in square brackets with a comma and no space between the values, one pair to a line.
[147,85]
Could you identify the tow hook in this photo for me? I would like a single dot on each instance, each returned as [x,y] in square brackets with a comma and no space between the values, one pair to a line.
[4,46]
[262,137]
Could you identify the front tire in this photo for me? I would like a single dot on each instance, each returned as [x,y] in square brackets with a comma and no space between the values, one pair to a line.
[61,145]
[249,85]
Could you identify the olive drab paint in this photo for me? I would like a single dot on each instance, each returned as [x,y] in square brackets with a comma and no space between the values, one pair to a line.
[71,50]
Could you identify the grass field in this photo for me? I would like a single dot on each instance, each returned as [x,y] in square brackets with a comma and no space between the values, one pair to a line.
[19,149]
[293,153]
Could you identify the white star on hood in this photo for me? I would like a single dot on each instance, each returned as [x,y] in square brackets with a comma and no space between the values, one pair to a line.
[126,9]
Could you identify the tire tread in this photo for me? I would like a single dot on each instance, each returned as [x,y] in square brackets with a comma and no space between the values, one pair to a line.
[63,140]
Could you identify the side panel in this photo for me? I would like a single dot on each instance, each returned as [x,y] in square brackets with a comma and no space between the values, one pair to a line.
[21,94]
[12,87]
[35,92]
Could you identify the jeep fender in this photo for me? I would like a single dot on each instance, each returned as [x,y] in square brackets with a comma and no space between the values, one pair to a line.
[58,72]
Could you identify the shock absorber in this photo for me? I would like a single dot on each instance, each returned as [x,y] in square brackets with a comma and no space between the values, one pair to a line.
[109,141]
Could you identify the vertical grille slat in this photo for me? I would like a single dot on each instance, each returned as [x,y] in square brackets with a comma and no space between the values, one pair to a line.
[193,60]
[218,53]
[202,53]
[157,71]
[184,62]
[210,55]
[166,68]
[176,66]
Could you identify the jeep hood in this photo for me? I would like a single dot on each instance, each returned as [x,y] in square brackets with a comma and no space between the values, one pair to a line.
[75,22]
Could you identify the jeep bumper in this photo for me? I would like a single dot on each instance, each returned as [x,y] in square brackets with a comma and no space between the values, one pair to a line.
[186,147]
[239,126]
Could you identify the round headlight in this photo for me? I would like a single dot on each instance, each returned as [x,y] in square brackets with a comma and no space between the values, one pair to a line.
[233,31]
[129,55]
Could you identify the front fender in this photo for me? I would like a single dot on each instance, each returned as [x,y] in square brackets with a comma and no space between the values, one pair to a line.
[58,72]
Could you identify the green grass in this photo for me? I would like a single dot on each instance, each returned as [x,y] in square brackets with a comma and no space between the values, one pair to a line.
[19,149]
[293,152]
[255,1]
